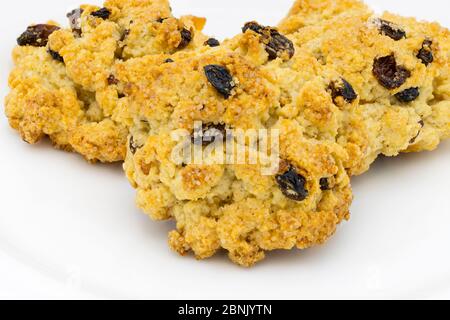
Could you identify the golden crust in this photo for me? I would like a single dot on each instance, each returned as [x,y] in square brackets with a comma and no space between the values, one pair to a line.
[312,12]
[43,100]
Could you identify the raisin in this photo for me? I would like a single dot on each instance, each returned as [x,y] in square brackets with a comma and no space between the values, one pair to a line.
[75,21]
[121,95]
[56,56]
[391,30]
[133,145]
[186,38]
[279,45]
[408,95]
[276,44]
[112,80]
[426,53]
[324,184]
[168,60]
[254,26]
[103,13]
[211,42]
[388,73]
[344,90]
[210,134]
[292,185]
[37,35]
[161,20]
[220,78]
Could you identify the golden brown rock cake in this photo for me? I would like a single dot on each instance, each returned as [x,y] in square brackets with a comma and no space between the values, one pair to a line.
[399,68]
[62,85]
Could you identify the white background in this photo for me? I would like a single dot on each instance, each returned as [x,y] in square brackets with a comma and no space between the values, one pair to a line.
[70,230]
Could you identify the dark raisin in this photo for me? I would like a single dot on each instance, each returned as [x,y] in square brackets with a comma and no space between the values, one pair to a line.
[103,13]
[121,95]
[56,56]
[221,79]
[37,35]
[75,21]
[112,80]
[324,184]
[426,53]
[388,73]
[391,30]
[277,45]
[211,42]
[210,134]
[343,89]
[186,38]
[413,140]
[161,20]
[254,26]
[133,145]
[292,185]
[168,60]
[408,95]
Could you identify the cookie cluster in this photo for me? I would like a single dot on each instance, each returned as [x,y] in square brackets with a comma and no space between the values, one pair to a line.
[339,84]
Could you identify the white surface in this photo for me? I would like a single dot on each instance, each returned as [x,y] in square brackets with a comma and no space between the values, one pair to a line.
[70,230]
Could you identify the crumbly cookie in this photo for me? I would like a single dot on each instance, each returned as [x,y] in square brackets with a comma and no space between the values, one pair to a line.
[398,67]
[63,84]
[232,206]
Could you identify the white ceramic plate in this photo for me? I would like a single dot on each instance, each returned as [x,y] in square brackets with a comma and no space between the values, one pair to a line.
[70,230]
